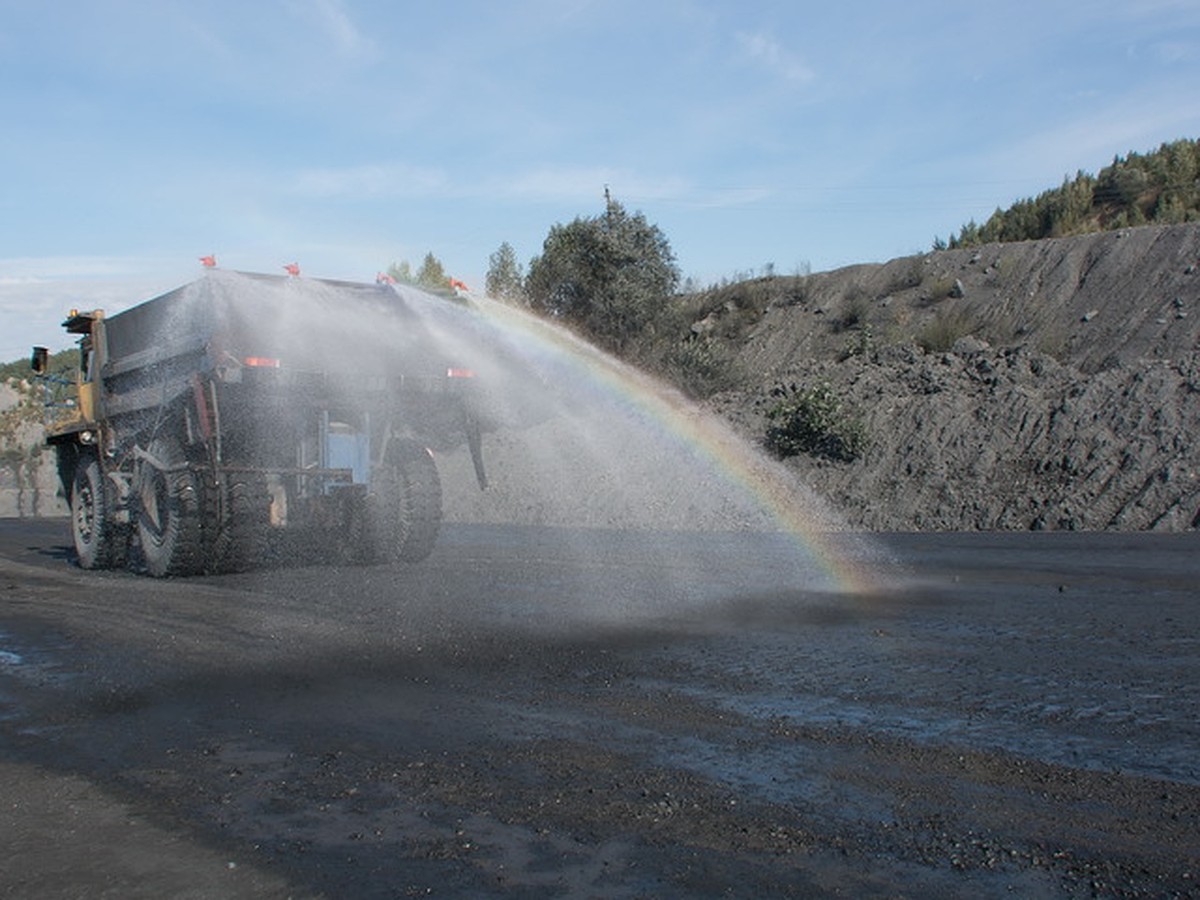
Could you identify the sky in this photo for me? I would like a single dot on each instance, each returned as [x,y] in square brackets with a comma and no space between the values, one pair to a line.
[345,135]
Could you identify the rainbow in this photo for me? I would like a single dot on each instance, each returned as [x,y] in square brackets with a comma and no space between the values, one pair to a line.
[848,562]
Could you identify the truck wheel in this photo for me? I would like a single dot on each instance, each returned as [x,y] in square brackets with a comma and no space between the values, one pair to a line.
[407,505]
[99,541]
[169,517]
[354,544]
[241,541]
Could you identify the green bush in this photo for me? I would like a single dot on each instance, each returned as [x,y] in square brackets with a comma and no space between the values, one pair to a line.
[862,344]
[812,420]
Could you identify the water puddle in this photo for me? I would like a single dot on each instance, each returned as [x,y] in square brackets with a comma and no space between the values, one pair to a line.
[24,666]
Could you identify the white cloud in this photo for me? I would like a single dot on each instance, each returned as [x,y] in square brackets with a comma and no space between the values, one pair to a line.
[37,292]
[32,313]
[768,53]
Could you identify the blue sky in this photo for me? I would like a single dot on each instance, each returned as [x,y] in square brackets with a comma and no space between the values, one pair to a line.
[349,134]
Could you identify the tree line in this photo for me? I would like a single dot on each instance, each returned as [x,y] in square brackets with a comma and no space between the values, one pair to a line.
[1157,188]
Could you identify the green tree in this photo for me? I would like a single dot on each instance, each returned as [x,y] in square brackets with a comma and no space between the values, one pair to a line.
[432,275]
[505,280]
[1162,186]
[402,272]
[610,275]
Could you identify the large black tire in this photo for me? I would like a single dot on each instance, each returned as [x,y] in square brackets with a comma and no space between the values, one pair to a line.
[355,544]
[169,512]
[406,505]
[99,541]
[240,531]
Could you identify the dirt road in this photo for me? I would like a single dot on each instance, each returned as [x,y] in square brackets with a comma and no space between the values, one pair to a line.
[545,713]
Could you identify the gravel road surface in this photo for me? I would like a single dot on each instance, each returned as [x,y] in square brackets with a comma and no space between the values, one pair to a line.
[539,712]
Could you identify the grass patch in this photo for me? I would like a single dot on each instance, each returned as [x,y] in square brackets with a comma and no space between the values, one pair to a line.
[944,329]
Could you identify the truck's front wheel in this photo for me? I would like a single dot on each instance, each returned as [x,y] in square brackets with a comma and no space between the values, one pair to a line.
[169,517]
[99,541]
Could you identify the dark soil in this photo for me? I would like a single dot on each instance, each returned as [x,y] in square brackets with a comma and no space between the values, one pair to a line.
[1015,716]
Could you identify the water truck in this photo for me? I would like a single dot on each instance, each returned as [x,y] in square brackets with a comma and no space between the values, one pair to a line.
[243,416]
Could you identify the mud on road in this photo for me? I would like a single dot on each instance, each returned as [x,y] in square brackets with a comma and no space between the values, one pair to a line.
[536,713]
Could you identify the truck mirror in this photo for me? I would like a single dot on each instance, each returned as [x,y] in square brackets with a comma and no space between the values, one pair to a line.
[40,360]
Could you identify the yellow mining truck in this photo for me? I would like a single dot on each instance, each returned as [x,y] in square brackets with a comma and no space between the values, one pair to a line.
[243,417]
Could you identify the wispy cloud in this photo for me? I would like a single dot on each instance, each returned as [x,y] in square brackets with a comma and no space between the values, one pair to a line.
[547,184]
[32,306]
[1131,124]
[765,51]
[1173,52]
[385,180]
[585,184]
[333,19]
[32,270]
[726,198]
[265,132]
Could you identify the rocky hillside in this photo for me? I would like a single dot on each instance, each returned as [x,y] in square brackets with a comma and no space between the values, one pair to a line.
[1048,384]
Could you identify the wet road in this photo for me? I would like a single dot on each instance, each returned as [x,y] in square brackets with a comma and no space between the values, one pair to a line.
[542,712]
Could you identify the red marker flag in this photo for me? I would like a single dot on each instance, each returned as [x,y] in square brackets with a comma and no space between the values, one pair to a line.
[209,262]
[292,269]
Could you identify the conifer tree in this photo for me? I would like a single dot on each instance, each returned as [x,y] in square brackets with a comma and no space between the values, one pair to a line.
[504,279]
[432,275]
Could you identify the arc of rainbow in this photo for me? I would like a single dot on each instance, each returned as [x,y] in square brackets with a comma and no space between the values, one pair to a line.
[814,529]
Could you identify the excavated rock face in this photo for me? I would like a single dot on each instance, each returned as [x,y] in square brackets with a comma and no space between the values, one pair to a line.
[1010,439]
[1045,385]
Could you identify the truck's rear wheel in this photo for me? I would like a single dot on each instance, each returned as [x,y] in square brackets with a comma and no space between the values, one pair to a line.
[99,541]
[241,541]
[355,543]
[406,505]
[169,511]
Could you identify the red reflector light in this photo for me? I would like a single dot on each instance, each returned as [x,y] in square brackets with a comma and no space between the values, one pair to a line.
[261,362]
[460,373]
